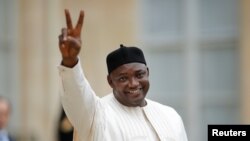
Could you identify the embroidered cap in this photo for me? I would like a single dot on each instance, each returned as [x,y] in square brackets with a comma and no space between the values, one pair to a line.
[124,55]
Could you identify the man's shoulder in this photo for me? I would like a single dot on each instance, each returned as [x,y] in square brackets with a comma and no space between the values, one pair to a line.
[157,104]
[107,97]
[162,107]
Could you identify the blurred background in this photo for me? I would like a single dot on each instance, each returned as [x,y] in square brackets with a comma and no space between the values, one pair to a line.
[197,52]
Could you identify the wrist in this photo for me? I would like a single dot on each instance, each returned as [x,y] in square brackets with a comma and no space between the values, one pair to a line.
[69,62]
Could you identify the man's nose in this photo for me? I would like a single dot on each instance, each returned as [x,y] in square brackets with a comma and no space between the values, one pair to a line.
[133,82]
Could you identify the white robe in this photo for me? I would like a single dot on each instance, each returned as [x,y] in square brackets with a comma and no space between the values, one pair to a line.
[105,119]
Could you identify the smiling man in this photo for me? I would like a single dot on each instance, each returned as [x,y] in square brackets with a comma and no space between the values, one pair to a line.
[128,75]
[123,115]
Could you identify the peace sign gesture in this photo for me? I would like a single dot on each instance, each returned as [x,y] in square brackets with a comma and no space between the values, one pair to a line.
[70,40]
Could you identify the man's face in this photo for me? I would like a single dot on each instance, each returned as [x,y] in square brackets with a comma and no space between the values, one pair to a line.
[130,84]
[4,114]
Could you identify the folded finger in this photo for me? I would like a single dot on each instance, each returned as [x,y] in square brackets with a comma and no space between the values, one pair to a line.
[64,34]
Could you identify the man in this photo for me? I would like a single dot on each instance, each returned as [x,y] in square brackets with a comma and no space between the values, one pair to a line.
[123,115]
[4,119]
[64,129]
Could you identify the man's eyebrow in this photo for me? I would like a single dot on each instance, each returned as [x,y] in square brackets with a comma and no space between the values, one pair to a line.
[140,70]
[121,74]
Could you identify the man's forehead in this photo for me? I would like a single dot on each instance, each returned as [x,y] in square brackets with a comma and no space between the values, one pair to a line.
[129,67]
[4,105]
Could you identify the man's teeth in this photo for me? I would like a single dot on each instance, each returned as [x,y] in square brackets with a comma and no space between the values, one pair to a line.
[134,91]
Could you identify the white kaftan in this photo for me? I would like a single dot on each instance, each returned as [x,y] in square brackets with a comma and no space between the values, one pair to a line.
[105,119]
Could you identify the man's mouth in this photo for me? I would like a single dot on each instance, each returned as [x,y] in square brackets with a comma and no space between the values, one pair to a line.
[135,92]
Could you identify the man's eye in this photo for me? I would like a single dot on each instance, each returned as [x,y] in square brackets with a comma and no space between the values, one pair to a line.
[140,75]
[122,79]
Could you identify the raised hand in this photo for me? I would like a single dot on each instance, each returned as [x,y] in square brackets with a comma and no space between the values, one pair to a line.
[70,40]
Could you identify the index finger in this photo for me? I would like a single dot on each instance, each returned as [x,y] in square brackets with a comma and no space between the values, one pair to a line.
[80,21]
[68,19]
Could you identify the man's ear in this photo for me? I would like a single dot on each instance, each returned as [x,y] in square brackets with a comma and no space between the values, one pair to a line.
[110,81]
[148,70]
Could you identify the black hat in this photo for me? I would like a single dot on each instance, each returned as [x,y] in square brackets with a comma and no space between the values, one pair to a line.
[124,55]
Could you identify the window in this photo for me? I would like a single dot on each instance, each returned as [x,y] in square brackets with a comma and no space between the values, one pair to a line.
[8,56]
[192,51]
